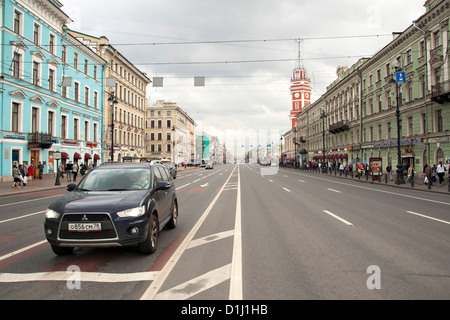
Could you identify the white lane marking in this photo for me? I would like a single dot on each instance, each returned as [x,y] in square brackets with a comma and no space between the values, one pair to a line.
[286,189]
[21,217]
[84,276]
[153,289]
[428,217]
[377,190]
[204,185]
[339,218]
[210,238]
[182,186]
[25,201]
[236,262]
[301,180]
[333,190]
[196,285]
[270,180]
[9,255]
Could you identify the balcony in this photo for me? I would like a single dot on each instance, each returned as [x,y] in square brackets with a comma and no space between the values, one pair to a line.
[440,93]
[339,126]
[39,140]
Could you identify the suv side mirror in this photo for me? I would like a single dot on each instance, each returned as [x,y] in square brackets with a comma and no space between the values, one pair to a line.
[163,185]
[70,187]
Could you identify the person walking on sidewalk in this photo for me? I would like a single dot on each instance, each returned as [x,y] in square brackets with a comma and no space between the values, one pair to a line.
[17,177]
[428,173]
[440,170]
[69,167]
[75,171]
[41,169]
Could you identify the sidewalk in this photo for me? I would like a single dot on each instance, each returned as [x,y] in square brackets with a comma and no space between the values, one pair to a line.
[47,183]
[418,182]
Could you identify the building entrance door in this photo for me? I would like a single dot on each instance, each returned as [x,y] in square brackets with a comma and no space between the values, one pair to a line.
[34,161]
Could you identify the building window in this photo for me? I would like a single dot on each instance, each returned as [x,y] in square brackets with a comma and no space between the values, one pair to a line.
[86,96]
[437,38]
[75,61]
[16,65]
[168,149]
[50,123]
[409,57]
[96,100]
[64,54]
[77,92]
[34,119]
[86,130]
[17,22]
[36,68]
[63,127]
[423,123]
[51,44]
[76,127]
[15,117]
[388,130]
[36,34]
[51,80]
[86,66]
[439,123]
[410,126]
[169,123]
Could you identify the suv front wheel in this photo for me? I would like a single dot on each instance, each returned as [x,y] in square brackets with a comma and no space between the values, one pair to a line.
[150,244]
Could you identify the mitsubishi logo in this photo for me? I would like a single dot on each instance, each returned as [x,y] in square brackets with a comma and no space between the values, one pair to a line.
[84,218]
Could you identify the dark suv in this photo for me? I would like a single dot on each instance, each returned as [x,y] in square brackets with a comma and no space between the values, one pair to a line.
[115,204]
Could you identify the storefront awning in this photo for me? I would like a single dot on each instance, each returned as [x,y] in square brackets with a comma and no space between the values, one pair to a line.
[65,156]
[87,156]
[76,156]
[96,157]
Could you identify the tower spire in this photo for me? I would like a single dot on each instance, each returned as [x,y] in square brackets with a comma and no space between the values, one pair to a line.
[300,64]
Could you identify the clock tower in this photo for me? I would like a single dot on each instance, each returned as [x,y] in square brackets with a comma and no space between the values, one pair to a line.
[300,92]
[300,88]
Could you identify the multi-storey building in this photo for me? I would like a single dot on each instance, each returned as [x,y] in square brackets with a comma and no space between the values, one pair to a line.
[356,117]
[126,95]
[169,133]
[51,89]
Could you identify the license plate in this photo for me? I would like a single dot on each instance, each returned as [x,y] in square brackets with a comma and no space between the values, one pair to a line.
[84,227]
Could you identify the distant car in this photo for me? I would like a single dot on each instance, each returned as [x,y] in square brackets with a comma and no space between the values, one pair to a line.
[209,165]
[172,168]
[114,205]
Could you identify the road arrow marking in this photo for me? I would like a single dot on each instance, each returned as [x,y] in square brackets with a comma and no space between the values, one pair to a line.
[204,185]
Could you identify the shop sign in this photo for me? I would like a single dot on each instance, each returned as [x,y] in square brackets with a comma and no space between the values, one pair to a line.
[14,137]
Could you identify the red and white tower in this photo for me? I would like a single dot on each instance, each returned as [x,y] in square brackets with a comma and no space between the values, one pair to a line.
[300,89]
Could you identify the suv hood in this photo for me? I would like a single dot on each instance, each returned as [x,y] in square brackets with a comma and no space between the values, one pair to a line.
[98,201]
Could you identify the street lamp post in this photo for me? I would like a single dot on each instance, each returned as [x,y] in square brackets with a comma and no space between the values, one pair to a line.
[400,179]
[323,116]
[111,83]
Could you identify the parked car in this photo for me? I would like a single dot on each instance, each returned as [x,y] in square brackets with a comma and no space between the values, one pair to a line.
[209,165]
[172,168]
[115,204]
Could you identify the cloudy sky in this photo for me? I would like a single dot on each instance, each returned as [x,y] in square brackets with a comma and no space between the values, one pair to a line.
[245,49]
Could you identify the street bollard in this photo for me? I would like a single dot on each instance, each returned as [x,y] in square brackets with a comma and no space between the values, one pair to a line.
[386,178]
[412,178]
[448,182]
[429,184]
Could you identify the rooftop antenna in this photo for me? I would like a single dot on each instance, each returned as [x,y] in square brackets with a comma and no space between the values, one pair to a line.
[300,64]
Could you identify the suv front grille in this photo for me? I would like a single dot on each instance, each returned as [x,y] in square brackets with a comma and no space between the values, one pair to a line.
[107,232]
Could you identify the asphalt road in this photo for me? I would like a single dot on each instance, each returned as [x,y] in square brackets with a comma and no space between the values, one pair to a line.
[247,232]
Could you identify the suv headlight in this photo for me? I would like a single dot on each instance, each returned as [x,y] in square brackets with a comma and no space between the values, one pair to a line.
[51,214]
[134,212]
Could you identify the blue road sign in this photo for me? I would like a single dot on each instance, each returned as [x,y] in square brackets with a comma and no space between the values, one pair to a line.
[400,76]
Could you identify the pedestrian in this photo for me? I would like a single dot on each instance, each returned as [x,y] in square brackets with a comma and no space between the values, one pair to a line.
[69,167]
[410,173]
[75,171]
[433,173]
[41,169]
[61,170]
[440,171]
[90,166]
[30,171]
[17,177]
[22,174]
[388,171]
[428,173]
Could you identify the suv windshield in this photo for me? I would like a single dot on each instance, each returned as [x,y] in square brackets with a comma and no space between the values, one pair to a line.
[116,180]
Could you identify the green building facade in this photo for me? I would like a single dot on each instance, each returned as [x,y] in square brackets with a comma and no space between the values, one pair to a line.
[357,118]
